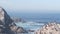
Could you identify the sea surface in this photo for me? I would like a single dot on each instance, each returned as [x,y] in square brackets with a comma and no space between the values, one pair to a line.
[36,21]
[33,26]
[37,17]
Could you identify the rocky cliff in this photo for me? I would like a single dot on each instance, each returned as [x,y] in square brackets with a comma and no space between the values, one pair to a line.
[6,24]
[51,28]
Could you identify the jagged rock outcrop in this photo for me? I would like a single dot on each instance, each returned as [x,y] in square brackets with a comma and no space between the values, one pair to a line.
[16,29]
[51,28]
[17,19]
[6,24]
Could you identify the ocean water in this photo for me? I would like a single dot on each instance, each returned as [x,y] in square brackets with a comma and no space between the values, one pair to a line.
[37,17]
[36,21]
[30,26]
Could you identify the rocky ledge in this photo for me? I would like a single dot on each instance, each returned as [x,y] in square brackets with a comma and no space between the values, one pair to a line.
[6,24]
[50,28]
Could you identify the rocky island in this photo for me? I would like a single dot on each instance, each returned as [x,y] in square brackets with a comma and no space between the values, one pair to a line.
[6,24]
[17,19]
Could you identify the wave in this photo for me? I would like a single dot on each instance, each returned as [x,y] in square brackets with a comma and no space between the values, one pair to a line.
[30,25]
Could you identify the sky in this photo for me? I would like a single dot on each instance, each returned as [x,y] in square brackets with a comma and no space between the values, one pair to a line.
[31,6]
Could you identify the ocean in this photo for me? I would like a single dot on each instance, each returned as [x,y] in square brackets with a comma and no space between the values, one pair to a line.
[30,26]
[41,17]
[35,21]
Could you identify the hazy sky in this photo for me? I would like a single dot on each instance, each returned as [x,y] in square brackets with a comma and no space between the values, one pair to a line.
[18,5]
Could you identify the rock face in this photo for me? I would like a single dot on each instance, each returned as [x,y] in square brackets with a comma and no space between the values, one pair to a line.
[6,24]
[51,28]
[16,29]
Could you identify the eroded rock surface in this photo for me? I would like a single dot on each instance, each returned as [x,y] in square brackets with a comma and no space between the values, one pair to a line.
[51,28]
